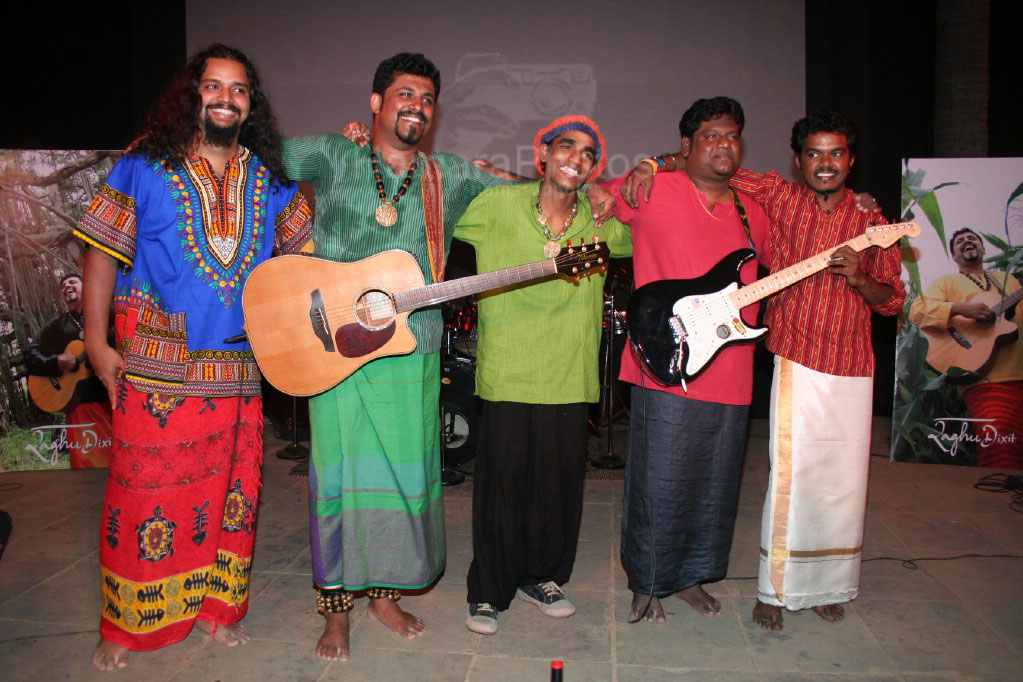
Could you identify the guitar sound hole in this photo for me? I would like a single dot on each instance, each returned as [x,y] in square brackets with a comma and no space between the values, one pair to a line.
[374,309]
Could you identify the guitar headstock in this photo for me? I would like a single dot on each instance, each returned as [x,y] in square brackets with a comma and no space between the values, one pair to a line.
[578,260]
[884,236]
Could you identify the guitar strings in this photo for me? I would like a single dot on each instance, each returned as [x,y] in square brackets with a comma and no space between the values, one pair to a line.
[382,306]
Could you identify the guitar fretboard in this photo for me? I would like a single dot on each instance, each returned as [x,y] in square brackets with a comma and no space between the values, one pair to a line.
[881,235]
[1007,302]
[465,286]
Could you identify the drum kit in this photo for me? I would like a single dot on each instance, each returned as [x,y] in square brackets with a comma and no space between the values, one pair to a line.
[459,408]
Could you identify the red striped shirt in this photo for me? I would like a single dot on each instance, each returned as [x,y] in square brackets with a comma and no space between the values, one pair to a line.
[821,322]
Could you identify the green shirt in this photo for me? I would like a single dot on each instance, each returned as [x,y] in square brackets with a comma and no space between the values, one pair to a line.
[346,197]
[538,342]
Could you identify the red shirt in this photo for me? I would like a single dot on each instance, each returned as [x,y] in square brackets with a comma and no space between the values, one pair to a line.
[674,237]
[821,322]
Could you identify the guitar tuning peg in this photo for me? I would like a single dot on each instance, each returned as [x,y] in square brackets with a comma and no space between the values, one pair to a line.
[568,242]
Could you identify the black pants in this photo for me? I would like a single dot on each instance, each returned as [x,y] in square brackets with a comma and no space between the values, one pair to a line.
[527,497]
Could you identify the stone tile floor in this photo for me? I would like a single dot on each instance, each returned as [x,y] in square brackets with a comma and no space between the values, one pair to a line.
[960,619]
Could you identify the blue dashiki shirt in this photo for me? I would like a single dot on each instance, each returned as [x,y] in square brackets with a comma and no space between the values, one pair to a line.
[186,242]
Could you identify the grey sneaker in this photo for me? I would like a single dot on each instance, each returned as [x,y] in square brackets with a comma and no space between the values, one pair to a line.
[548,597]
[482,618]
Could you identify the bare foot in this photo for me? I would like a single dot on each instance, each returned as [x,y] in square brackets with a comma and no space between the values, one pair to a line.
[701,602]
[228,635]
[391,615]
[109,655]
[767,616]
[830,612]
[333,644]
[648,607]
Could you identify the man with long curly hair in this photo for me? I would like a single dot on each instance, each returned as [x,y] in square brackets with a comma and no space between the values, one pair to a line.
[199,199]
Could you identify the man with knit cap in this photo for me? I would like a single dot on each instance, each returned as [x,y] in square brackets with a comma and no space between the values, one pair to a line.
[537,370]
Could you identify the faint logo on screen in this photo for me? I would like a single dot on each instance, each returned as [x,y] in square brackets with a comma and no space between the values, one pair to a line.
[492,102]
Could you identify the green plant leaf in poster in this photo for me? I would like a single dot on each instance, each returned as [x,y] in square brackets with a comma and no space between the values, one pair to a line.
[1015,193]
[995,241]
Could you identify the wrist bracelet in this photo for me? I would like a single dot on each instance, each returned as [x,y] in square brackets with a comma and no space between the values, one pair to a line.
[652,162]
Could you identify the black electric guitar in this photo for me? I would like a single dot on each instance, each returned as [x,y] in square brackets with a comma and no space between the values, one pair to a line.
[677,326]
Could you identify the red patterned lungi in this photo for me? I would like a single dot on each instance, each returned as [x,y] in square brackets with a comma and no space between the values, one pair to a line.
[179,515]
[89,445]
[1001,437]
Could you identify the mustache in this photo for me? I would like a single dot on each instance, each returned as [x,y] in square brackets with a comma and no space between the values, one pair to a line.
[413,112]
[224,105]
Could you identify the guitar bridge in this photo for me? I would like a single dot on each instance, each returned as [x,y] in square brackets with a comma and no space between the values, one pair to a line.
[318,318]
[678,330]
[959,338]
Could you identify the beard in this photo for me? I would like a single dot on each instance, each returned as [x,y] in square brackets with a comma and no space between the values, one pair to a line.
[972,255]
[415,133]
[220,136]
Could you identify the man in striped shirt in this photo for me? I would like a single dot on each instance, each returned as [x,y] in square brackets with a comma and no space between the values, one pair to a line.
[821,398]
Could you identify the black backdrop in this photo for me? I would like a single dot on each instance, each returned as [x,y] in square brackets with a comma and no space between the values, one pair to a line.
[84,77]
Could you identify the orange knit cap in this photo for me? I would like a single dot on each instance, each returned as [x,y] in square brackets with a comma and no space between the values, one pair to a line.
[562,125]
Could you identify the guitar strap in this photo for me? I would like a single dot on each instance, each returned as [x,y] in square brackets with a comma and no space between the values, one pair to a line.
[741,210]
[433,214]
[1001,285]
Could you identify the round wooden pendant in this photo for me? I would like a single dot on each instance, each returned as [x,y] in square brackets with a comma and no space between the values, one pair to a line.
[386,215]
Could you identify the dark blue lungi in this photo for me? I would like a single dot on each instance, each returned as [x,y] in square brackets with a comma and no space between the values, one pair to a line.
[681,490]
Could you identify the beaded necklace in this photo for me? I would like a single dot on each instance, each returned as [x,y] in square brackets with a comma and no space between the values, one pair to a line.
[552,247]
[983,286]
[386,213]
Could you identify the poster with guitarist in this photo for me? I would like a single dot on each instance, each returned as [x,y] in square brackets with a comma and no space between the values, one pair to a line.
[968,314]
[60,381]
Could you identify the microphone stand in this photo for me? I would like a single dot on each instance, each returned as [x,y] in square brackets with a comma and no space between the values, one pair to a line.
[295,451]
[608,460]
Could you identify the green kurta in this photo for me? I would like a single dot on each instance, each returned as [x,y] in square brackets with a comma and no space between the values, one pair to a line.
[346,197]
[538,343]
[376,513]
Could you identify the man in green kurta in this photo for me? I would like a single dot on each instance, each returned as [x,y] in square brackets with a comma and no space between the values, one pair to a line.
[376,511]
[377,517]
[536,374]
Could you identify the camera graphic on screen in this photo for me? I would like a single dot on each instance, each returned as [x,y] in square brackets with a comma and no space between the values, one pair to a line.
[492,100]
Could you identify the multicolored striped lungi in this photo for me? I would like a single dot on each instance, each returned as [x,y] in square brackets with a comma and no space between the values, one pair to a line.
[179,515]
[811,539]
[376,508]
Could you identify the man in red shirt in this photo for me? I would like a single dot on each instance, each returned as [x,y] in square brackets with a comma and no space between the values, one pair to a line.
[686,443]
[821,397]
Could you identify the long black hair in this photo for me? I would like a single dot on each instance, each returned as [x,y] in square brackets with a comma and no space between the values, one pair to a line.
[173,123]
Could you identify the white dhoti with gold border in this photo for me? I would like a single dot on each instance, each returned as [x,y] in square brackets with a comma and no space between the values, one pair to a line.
[811,539]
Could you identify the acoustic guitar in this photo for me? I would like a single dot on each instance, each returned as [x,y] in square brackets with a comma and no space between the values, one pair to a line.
[677,326]
[971,346]
[56,394]
[313,322]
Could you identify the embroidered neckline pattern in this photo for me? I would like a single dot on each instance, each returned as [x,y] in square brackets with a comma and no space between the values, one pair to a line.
[221,222]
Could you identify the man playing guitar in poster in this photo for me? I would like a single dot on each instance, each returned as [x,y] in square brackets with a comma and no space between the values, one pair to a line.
[971,320]
[60,380]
